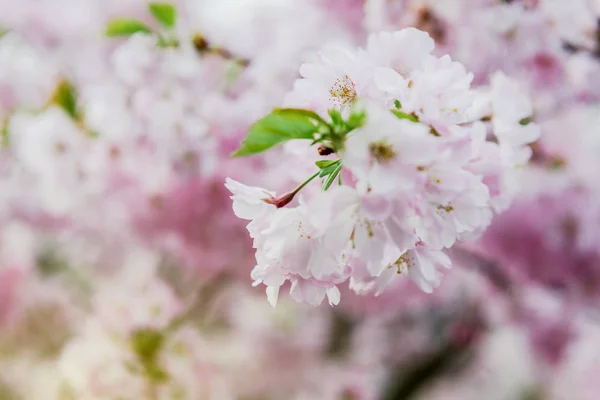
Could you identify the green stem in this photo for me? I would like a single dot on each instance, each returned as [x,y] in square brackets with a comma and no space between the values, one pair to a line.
[306,182]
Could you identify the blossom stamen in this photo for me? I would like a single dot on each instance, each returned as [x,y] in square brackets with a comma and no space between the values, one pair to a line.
[343,91]
[441,209]
[382,151]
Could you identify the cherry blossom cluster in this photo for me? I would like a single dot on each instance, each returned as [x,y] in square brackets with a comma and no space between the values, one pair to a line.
[413,168]
[124,271]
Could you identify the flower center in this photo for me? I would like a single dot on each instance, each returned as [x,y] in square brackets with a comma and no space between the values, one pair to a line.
[382,151]
[441,209]
[343,91]
[403,263]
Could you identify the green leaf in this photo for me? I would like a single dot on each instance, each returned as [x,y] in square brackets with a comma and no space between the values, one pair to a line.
[307,113]
[281,125]
[4,134]
[336,117]
[325,163]
[332,176]
[93,134]
[356,120]
[147,343]
[329,168]
[50,263]
[526,121]
[155,373]
[65,96]
[397,104]
[122,27]
[403,115]
[164,13]
[164,42]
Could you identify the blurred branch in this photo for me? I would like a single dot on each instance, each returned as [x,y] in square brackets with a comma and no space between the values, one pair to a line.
[202,46]
[488,268]
[454,335]
[575,48]
[202,303]
[405,384]
[342,328]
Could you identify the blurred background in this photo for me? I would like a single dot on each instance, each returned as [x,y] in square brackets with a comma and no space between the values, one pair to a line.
[124,274]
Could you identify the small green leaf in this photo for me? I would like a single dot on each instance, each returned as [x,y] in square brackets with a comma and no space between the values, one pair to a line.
[332,176]
[4,134]
[325,163]
[65,96]
[307,113]
[526,121]
[336,117]
[164,13]
[122,27]
[50,263]
[356,120]
[155,373]
[164,41]
[281,125]
[327,170]
[403,115]
[397,104]
[147,343]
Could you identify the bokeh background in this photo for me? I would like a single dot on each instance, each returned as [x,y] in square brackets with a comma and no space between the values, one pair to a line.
[124,274]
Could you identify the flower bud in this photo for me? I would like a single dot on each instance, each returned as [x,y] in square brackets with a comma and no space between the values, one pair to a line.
[282,200]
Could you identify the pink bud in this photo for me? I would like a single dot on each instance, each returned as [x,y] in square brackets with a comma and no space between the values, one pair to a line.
[281,201]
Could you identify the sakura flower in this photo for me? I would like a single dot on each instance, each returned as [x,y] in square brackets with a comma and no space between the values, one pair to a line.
[386,153]
[335,80]
[313,293]
[249,202]
[23,83]
[379,243]
[511,109]
[403,51]
[397,56]
[440,91]
[94,366]
[457,205]
[301,244]
[307,245]
[48,148]
[364,282]
[422,265]
[134,59]
[139,300]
